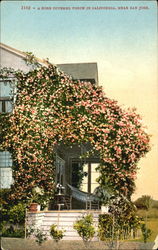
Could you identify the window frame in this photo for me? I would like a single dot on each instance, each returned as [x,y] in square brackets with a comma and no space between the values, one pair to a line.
[9,98]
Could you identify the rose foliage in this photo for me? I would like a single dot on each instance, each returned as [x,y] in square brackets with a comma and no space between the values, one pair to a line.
[51,108]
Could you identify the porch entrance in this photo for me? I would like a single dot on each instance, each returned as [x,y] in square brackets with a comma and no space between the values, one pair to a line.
[75,182]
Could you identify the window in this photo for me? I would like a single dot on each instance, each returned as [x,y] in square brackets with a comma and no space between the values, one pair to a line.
[5,88]
[89,182]
[5,169]
[77,174]
[5,159]
[5,106]
[6,96]
[5,177]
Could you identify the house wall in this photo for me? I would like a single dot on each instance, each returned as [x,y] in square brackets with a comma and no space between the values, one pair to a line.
[82,71]
[10,59]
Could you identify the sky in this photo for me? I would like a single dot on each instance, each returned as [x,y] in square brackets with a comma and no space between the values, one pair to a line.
[121,36]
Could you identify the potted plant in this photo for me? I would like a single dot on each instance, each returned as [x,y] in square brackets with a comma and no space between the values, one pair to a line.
[35,200]
[104,195]
[34,207]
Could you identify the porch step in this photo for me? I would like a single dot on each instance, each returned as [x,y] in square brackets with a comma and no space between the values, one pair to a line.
[64,220]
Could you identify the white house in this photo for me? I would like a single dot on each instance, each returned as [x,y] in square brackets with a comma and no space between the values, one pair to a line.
[68,159]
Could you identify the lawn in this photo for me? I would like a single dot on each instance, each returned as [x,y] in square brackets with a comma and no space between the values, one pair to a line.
[153,225]
[151,218]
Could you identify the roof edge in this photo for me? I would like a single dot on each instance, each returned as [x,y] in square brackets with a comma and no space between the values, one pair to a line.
[20,53]
[77,63]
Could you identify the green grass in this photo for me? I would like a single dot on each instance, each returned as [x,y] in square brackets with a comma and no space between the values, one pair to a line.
[153,225]
[152,213]
[151,219]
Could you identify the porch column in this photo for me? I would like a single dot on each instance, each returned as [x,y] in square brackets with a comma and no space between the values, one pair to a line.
[89,177]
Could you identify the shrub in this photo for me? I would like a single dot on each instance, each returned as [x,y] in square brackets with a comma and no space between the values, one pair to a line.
[119,226]
[11,212]
[39,235]
[17,214]
[12,215]
[5,204]
[85,227]
[12,232]
[144,202]
[56,234]
[146,232]
[4,195]
[105,226]
[155,204]
[29,231]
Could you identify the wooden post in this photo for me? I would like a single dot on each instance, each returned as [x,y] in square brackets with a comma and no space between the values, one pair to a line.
[89,177]
[25,222]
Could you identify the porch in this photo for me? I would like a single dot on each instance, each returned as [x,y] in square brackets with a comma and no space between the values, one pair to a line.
[76,178]
[76,199]
[64,220]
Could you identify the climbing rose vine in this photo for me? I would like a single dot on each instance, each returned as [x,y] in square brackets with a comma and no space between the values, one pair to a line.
[52,108]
